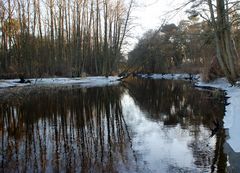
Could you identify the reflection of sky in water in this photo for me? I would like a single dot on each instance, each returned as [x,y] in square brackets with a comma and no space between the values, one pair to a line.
[162,148]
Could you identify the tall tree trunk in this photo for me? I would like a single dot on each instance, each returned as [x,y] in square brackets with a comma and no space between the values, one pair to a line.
[52,45]
[225,53]
[78,42]
[105,49]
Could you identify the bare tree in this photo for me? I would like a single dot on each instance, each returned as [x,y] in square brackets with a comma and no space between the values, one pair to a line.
[226,55]
[56,37]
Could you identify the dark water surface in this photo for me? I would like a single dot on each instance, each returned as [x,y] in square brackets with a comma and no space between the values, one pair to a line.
[138,126]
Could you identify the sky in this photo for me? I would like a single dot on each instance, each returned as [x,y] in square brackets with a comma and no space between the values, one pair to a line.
[150,14]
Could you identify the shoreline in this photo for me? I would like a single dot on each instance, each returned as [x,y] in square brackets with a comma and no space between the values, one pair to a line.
[231,119]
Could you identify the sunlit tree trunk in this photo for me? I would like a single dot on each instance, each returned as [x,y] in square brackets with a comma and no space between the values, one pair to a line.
[2,41]
[8,60]
[224,46]
[105,48]
[98,38]
[60,37]
[52,44]
[78,42]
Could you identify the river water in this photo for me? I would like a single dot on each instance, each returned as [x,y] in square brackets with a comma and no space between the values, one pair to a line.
[136,126]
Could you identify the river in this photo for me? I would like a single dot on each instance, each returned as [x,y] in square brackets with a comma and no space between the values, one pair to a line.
[136,126]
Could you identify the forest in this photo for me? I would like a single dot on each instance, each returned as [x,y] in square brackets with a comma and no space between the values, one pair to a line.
[76,95]
[43,38]
[207,43]
[62,37]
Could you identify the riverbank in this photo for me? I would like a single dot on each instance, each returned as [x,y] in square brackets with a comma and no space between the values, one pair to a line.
[86,82]
[232,117]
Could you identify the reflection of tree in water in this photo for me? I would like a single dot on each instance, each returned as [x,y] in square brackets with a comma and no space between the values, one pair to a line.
[61,130]
[177,103]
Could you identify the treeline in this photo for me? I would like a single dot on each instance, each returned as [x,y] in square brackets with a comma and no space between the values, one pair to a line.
[210,45]
[172,48]
[62,37]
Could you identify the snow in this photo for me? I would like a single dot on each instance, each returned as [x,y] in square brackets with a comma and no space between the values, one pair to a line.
[86,82]
[183,76]
[9,83]
[232,117]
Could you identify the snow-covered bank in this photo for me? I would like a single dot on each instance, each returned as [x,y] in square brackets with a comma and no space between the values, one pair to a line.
[183,76]
[232,114]
[86,82]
